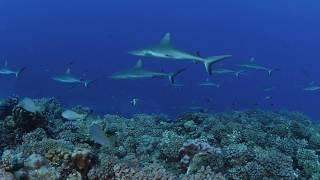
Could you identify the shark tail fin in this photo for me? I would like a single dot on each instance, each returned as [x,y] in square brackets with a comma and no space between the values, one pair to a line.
[214,59]
[270,71]
[173,75]
[18,73]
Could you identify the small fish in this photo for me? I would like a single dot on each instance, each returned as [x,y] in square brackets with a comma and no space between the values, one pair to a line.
[209,84]
[134,101]
[268,97]
[5,70]
[229,71]
[223,71]
[269,89]
[29,105]
[72,115]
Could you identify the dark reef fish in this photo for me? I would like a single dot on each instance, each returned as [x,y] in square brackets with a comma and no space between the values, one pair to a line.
[98,135]
[72,115]
[29,105]
[6,106]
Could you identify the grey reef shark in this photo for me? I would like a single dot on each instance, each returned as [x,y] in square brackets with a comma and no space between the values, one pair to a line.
[6,70]
[139,72]
[166,50]
[69,78]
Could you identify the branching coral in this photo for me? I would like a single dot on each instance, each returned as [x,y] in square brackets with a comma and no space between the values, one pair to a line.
[170,145]
[197,153]
[27,121]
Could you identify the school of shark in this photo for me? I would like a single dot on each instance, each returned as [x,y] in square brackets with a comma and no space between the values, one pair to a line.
[164,50]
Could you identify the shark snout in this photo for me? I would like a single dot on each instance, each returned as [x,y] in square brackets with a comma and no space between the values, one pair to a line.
[137,53]
[140,53]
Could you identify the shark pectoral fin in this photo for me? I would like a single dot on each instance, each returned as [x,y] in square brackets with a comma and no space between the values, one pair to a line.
[171,79]
[87,83]
[139,64]
[173,75]
[270,71]
[166,39]
[241,72]
[18,73]
[208,66]
[237,74]
[218,58]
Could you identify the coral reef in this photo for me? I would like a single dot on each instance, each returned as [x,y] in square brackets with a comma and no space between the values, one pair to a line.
[6,106]
[82,161]
[251,144]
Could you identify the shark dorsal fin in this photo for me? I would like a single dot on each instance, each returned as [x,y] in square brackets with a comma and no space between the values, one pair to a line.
[252,60]
[198,53]
[68,71]
[139,64]
[166,39]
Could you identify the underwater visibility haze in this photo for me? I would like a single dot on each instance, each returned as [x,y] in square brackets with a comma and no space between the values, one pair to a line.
[159,89]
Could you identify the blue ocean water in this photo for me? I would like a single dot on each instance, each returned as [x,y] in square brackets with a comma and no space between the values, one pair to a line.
[45,36]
